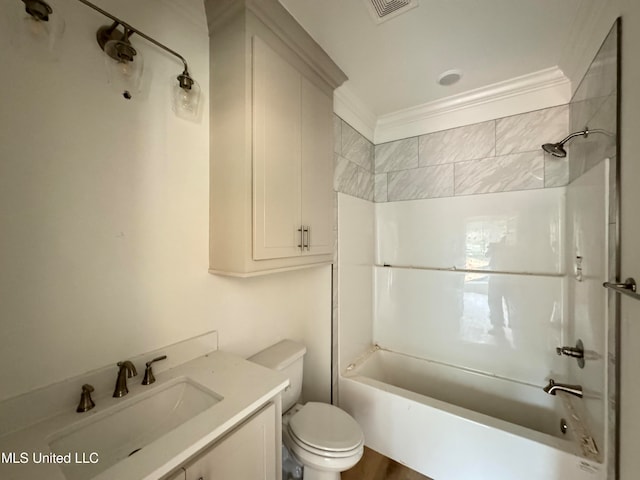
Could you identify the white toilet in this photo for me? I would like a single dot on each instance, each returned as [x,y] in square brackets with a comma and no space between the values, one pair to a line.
[323,438]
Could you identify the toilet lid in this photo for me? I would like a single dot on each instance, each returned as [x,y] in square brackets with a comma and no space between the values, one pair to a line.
[326,427]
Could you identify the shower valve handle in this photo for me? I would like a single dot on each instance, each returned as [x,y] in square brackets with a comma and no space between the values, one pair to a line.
[570,352]
[576,352]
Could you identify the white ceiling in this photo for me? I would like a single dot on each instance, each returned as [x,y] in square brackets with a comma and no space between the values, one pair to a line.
[395,65]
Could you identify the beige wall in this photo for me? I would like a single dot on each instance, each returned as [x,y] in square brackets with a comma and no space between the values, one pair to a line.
[104,214]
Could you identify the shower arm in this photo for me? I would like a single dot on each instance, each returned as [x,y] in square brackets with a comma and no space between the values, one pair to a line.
[584,133]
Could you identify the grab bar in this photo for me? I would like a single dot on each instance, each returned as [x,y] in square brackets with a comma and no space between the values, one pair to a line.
[627,288]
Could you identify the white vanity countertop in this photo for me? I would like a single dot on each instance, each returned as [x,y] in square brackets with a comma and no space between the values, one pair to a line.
[243,386]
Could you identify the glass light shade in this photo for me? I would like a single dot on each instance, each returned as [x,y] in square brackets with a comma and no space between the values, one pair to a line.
[124,72]
[185,102]
[40,34]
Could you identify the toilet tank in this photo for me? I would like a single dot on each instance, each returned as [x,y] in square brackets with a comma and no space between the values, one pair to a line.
[286,357]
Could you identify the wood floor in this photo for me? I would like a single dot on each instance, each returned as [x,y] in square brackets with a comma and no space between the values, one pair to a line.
[374,466]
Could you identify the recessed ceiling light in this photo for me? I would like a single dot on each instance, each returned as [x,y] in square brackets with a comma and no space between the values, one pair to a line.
[449,77]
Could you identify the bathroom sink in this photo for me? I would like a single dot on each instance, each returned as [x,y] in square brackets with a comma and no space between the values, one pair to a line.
[123,430]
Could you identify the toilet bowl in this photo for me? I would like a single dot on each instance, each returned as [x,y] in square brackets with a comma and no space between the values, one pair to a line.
[323,438]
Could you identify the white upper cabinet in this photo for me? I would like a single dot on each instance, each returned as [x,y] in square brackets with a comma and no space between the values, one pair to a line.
[276,155]
[317,169]
[271,141]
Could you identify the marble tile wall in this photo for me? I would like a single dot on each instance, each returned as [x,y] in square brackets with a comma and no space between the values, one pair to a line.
[594,105]
[495,156]
[353,161]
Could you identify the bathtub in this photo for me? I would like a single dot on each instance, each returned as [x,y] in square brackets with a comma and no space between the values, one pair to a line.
[454,424]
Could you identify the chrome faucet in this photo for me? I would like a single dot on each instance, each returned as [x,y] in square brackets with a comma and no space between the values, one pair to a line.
[127,370]
[553,387]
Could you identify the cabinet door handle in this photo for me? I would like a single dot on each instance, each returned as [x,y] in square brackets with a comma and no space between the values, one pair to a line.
[301,244]
[308,232]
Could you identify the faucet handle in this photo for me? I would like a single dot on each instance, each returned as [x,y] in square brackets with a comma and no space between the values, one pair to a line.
[576,352]
[86,403]
[148,372]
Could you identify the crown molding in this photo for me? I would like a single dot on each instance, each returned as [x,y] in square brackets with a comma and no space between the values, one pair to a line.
[190,10]
[348,106]
[282,24]
[541,89]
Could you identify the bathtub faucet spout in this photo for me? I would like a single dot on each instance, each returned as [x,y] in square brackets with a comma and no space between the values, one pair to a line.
[553,387]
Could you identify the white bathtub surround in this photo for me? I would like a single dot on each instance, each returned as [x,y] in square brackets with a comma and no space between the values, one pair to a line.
[458,144]
[421,414]
[528,131]
[495,156]
[530,224]
[355,277]
[520,171]
[423,182]
[499,324]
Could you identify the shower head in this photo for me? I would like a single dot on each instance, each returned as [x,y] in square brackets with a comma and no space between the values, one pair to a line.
[557,149]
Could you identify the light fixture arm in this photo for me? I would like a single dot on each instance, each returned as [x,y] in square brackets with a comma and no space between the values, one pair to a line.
[131,30]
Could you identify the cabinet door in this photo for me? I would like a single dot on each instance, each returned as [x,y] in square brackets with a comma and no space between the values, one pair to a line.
[276,154]
[247,453]
[317,168]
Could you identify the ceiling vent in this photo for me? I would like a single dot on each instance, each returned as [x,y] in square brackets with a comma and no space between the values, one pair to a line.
[383,10]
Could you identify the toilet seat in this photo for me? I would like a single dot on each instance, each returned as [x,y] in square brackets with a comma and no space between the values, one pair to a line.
[325,430]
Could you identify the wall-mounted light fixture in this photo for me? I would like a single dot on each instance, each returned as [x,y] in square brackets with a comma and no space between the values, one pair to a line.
[123,62]
[41,25]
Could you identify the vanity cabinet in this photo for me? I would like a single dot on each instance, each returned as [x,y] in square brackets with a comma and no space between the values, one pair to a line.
[247,453]
[271,141]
